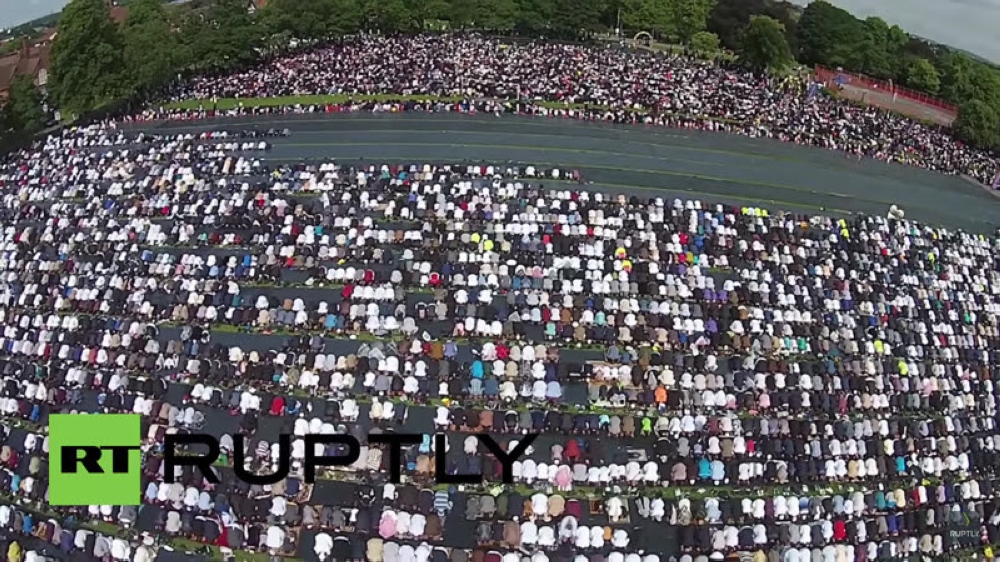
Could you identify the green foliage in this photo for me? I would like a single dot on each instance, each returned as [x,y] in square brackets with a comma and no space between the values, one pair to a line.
[312,19]
[705,42]
[764,45]
[730,18]
[222,34]
[653,16]
[86,58]
[691,17]
[674,20]
[387,16]
[922,75]
[23,111]
[152,50]
[830,36]
[493,15]
[978,124]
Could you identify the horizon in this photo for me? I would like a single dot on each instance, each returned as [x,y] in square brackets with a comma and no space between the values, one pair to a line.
[965,25]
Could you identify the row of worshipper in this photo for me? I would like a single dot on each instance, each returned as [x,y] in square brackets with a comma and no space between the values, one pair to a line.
[799,345]
[907,453]
[666,424]
[33,536]
[94,184]
[839,468]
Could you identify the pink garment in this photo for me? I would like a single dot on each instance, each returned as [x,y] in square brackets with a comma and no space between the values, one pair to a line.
[764,401]
[387,525]
[564,479]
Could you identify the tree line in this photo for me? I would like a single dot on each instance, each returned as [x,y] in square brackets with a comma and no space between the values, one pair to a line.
[95,61]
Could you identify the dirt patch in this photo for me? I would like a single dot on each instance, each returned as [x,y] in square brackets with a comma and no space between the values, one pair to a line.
[902,105]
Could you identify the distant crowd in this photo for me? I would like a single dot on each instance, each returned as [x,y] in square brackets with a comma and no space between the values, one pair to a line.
[593,83]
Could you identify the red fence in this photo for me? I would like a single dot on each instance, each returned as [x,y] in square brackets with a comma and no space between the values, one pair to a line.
[828,76]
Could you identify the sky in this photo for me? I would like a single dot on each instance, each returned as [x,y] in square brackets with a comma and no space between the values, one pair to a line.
[966,24]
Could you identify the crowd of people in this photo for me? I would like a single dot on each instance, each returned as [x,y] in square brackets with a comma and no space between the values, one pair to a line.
[584,82]
[705,382]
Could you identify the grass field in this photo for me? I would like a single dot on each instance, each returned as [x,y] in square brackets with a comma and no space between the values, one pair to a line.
[333,99]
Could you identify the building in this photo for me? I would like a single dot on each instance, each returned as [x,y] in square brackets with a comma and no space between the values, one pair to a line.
[30,60]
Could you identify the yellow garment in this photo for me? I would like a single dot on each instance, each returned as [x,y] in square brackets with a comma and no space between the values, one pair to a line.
[475,238]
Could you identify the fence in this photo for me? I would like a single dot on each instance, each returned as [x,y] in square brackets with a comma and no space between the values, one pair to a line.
[827,76]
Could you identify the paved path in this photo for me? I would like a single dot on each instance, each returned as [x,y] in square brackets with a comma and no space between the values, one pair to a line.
[672,162]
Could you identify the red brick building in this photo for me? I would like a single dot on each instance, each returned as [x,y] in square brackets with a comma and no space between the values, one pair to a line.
[31,59]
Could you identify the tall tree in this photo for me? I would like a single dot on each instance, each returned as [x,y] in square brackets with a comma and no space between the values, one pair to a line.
[495,15]
[764,45]
[830,36]
[923,76]
[228,34]
[978,124]
[23,111]
[388,16]
[957,77]
[312,19]
[653,16]
[86,58]
[575,19]
[691,17]
[705,42]
[152,51]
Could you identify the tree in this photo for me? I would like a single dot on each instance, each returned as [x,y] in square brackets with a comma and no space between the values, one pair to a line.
[705,42]
[224,34]
[653,16]
[877,55]
[764,44]
[387,16]
[86,58]
[978,124]
[575,19]
[830,36]
[957,74]
[691,17]
[495,15]
[311,19]
[152,52]
[922,76]
[23,111]
[729,18]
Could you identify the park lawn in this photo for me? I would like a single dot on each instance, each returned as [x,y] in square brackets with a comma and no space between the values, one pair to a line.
[224,104]
[316,99]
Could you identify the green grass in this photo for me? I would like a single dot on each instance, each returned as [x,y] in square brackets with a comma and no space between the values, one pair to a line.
[318,99]
[279,101]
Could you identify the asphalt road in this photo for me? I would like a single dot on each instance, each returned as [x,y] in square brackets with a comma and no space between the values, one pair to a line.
[714,167]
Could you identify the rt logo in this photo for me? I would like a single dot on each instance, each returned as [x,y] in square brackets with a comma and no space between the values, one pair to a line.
[95,459]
